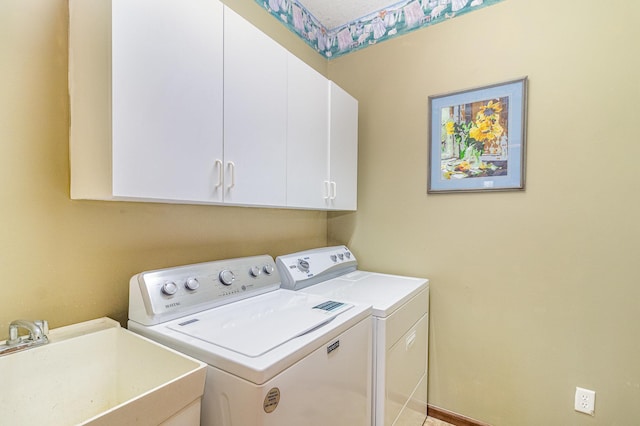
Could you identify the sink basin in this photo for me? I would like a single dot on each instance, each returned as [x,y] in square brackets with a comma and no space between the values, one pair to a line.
[98,373]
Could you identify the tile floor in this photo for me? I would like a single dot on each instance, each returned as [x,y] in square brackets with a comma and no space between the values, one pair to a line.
[435,422]
[413,418]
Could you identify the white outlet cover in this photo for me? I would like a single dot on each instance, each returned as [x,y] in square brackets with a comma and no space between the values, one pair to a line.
[585,401]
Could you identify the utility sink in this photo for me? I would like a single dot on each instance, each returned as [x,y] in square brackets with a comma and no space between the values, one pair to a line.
[98,373]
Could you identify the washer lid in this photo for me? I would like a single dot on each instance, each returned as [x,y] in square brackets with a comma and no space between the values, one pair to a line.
[260,328]
[385,292]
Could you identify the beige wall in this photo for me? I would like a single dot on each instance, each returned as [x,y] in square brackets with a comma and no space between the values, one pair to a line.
[69,261]
[532,293]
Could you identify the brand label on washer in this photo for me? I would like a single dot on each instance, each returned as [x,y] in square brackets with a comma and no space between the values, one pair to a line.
[271,400]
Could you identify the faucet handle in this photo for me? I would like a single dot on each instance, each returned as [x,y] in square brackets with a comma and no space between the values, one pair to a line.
[13,336]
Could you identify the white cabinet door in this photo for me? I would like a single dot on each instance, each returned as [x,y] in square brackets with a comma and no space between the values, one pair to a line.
[343,149]
[322,142]
[255,113]
[167,99]
[307,136]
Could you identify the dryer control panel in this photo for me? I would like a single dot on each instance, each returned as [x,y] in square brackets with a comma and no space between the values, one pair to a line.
[305,268]
[164,294]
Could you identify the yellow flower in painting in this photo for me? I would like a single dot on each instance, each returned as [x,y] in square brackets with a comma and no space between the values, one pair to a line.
[481,131]
[486,130]
[490,111]
[450,126]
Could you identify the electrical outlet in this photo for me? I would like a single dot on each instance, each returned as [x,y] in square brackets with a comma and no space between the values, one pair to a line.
[585,401]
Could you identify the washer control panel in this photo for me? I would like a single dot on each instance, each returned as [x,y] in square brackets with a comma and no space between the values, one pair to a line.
[305,268]
[163,294]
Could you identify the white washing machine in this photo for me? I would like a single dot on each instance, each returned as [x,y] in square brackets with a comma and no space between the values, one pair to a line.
[275,357]
[400,324]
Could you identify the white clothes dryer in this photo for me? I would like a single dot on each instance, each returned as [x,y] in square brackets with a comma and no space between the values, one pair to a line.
[275,357]
[400,325]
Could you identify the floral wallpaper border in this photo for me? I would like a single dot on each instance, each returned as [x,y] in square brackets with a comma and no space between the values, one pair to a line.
[399,19]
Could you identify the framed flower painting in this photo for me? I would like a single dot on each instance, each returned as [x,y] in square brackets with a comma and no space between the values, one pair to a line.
[477,139]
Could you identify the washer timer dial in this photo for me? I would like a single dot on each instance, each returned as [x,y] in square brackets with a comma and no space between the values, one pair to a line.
[226,277]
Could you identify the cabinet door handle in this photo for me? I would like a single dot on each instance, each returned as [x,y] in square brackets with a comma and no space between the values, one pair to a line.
[327,189]
[334,190]
[232,169]
[220,172]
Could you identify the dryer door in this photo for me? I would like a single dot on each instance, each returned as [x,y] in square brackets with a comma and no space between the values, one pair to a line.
[405,371]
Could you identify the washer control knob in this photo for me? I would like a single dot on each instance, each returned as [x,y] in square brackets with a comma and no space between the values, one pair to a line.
[254,271]
[340,256]
[192,284]
[226,277]
[334,257]
[303,265]
[268,269]
[169,288]
[348,255]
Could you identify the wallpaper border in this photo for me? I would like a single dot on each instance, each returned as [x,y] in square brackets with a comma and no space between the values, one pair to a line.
[401,18]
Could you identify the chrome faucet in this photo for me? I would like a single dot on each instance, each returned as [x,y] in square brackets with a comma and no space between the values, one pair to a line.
[38,331]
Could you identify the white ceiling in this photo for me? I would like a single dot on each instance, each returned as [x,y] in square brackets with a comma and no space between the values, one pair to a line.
[335,13]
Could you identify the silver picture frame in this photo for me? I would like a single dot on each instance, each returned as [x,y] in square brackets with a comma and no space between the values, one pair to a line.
[477,139]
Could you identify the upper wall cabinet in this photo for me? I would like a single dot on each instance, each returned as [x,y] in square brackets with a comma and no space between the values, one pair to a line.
[185,101]
[146,99]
